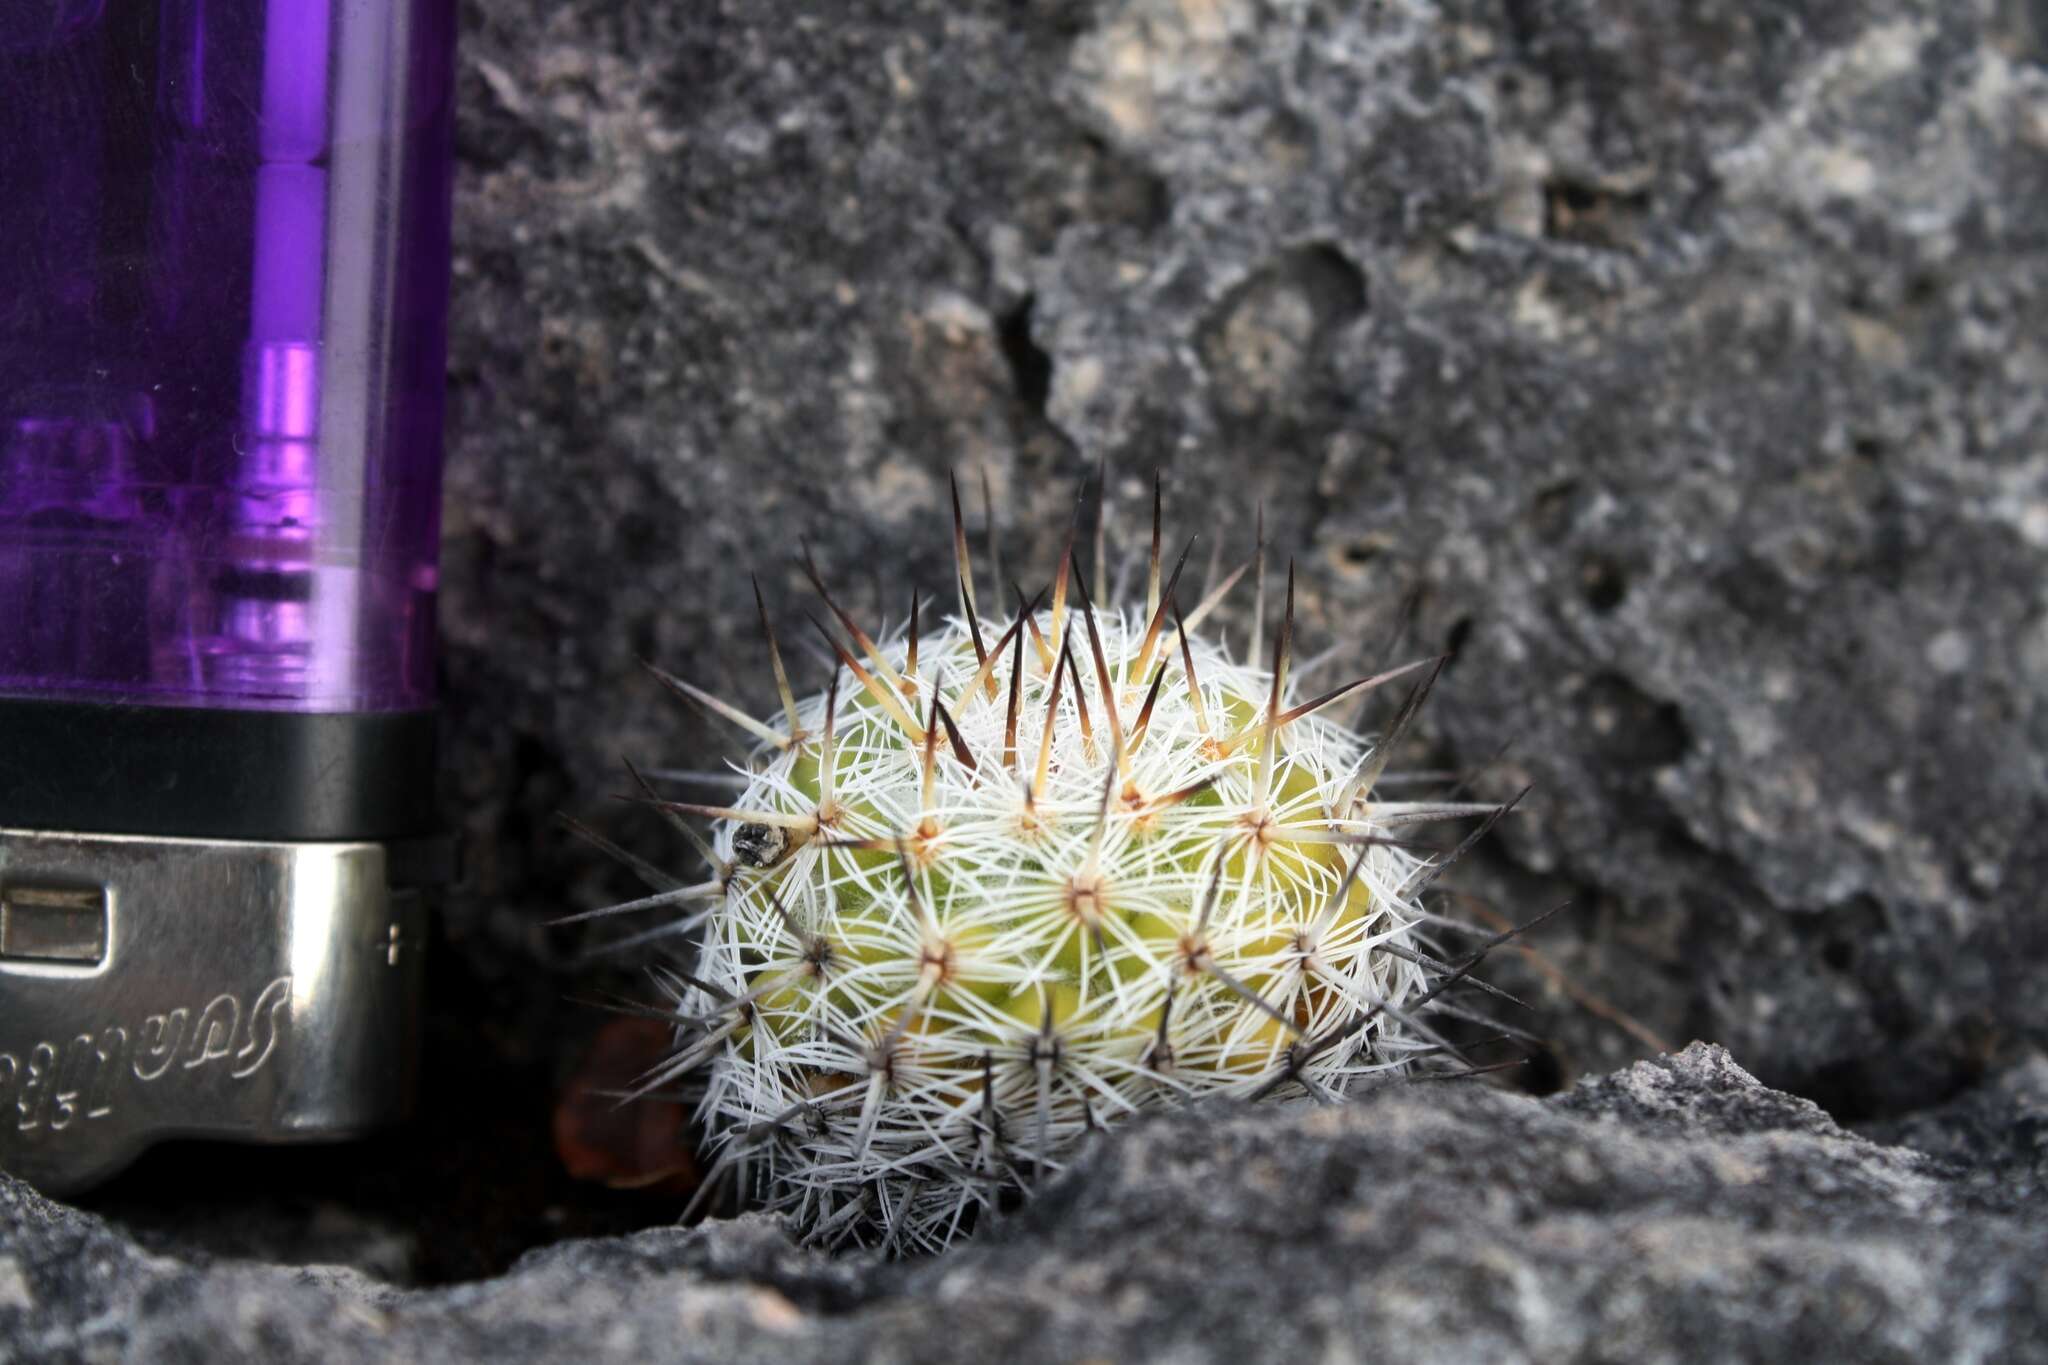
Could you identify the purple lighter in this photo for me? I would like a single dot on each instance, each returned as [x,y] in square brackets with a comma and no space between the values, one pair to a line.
[223,296]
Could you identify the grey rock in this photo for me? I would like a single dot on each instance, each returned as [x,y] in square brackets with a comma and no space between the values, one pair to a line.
[1997,1131]
[1676,1210]
[1680,362]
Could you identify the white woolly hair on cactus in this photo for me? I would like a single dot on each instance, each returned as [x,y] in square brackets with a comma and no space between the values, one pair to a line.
[994,889]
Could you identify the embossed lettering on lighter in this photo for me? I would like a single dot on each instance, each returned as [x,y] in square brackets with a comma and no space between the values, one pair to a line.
[221,385]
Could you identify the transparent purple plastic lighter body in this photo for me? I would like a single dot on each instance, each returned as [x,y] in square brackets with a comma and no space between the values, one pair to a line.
[223,289]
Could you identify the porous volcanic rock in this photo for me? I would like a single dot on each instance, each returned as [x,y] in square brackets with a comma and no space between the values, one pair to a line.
[1673,1210]
[1682,363]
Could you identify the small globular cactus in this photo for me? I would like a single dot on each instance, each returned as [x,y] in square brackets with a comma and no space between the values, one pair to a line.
[999,885]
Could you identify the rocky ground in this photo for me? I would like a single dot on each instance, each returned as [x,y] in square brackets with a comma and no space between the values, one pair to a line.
[1681,363]
[1673,1210]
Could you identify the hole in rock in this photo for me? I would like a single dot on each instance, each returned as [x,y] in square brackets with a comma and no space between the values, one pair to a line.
[1605,584]
[1030,366]
[1592,216]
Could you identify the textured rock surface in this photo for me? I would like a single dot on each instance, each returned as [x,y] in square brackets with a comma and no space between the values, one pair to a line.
[1674,1210]
[1684,361]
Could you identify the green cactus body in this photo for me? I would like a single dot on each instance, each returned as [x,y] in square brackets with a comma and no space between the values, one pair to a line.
[973,904]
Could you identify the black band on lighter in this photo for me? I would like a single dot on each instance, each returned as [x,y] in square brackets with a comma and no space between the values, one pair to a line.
[191,772]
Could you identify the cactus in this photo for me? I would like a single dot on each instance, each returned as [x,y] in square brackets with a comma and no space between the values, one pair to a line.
[994,888]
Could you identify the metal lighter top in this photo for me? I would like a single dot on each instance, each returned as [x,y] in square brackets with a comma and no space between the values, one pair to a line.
[223,292]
